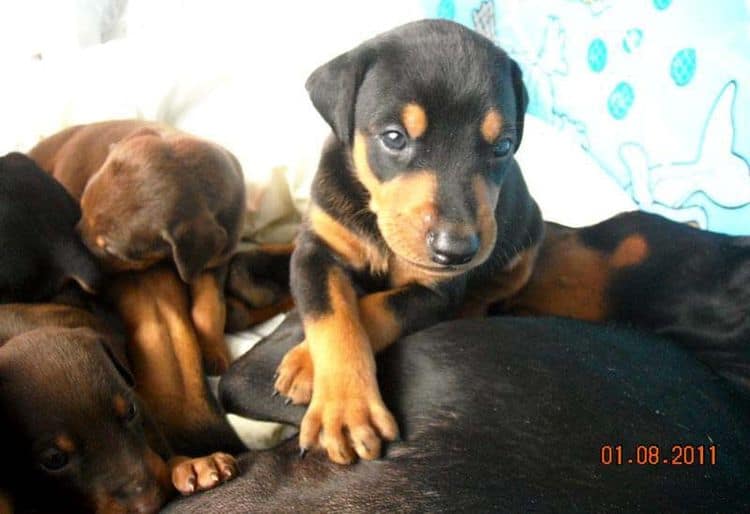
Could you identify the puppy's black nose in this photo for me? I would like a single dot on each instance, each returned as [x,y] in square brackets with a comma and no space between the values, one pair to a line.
[451,249]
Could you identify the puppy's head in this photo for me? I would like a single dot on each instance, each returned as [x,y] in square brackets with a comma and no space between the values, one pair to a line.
[74,426]
[141,207]
[41,250]
[432,113]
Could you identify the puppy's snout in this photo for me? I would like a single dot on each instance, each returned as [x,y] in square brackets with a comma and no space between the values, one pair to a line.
[452,247]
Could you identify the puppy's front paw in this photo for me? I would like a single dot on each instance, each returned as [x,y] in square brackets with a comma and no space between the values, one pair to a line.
[200,474]
[295,375]
[347,425]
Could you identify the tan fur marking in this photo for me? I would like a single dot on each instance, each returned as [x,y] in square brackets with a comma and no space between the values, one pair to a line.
[357,251]
[163,348]
[339,337]
[379,321]
[209,313]
[414,118]
[120,405]
[631,251]
[569,280]
[65,443]
[492,125]
[405,205]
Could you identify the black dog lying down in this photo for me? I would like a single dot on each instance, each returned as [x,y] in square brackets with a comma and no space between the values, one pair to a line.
[511,415]
[639,269]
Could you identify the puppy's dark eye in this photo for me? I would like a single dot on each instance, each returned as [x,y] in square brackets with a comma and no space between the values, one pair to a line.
[502,148]
[131,413]
[53,459]
[393,139]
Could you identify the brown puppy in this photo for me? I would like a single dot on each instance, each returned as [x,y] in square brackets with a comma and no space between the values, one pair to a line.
[77,438]
[149,192]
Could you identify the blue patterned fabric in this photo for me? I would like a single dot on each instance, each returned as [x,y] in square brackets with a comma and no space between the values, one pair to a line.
[656,91]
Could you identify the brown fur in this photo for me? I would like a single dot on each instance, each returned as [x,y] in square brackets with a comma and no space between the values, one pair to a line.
[120,471]
[144,189]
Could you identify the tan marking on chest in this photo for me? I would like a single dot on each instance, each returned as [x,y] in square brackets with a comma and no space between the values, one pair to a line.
[355,250]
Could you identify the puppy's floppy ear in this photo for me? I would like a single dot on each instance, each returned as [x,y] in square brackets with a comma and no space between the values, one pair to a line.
[194,243]
[521,96]
[79,265]
[333,89]
[116,354]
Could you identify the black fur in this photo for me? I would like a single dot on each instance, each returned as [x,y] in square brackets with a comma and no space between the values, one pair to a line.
[507,415]
[456,75]
[41,251]
[693,287]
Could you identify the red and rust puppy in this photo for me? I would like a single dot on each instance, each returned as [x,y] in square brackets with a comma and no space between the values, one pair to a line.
[641,269]
[149,192]
[76,437]
[41,252]
[419,213]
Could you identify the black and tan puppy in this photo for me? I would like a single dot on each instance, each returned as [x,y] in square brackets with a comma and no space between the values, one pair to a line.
[419,212]
[41,251]
[150,193]
[76,437]
[644,270]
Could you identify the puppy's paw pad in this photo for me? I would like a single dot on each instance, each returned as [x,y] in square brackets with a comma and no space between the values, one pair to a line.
[200,474]
[295,375]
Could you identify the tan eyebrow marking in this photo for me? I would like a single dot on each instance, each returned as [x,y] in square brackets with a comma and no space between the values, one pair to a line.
[414,118]
[492,124]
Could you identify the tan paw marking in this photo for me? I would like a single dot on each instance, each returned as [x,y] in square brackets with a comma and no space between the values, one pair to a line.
[295,375]
[200,474]
[347,424]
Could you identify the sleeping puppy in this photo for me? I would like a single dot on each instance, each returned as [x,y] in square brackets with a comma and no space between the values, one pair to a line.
[41,251]
[419,212]
[76,437]
[149,193]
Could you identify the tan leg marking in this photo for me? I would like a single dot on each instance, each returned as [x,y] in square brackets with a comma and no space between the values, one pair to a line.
[209,314]
[346,416]
[163,349]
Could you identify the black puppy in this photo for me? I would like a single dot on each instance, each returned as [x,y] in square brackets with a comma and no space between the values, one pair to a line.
[419,212]
[644,270]
[578,418]
[41,251]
